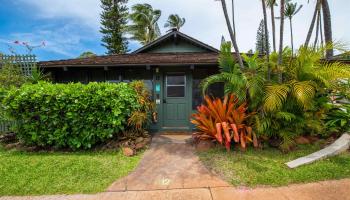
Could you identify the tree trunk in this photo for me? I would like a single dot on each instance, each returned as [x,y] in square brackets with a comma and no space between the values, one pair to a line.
[233,19]
[311,29]
[327,23]
[280,53]
[321,31]
[291,34]
[317,28]
[232,35]
[266,40]
[273,28]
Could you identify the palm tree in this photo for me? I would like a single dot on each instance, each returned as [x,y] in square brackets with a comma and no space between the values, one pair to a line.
[271,4]
[280,51]
[327,26]
[312,25]
[175,22]
[144,27]
[266,38]
[232,34]
[246,84]
[290,11]
[233,18]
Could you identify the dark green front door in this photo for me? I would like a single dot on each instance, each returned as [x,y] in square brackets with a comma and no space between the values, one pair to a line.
[175,103]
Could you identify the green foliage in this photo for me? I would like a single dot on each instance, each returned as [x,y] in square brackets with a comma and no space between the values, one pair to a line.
[144,27]
[246,83]
[70,115]
[114,19]
[338,119]
[174,21]
[87,54]
[3,93]
[295,101]
[38,75]
[260,45]
[11,76]
[140,118]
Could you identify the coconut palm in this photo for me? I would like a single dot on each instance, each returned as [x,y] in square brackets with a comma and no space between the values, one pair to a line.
[291,10]
[313,21]
[280,51]
[266,38]
[144,27]
[232,34]
[233,18]
[271,4]
[327,23]
[175,22]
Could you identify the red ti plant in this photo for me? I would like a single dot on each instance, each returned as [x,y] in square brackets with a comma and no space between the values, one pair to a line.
[223,121]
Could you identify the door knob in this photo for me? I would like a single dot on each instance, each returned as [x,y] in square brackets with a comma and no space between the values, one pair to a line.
[164,100]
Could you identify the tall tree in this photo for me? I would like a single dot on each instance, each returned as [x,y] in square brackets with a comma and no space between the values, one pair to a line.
[317,28]
[280,50]
[261,45]
[144,27]
[327,26]
[313,21]
[267,50]
[290,11]
[175,22]
[233,19]
[114,22]
[271,4]
[232,34]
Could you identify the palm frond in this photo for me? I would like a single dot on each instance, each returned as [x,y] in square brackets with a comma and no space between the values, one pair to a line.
[303,92]
[275,96]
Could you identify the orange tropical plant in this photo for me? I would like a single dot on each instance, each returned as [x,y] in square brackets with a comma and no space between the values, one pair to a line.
[223,121]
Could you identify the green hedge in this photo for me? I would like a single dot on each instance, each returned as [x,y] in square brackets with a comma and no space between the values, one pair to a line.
[70,115]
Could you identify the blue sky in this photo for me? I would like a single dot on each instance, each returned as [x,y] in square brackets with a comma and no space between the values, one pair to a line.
[70,27]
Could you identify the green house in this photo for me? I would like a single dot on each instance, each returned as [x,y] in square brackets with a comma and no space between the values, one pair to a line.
[172,67]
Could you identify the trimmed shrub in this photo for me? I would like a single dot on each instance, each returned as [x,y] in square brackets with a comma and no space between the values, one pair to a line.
[70,115]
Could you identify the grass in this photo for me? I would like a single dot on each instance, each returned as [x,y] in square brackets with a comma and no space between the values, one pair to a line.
[24,173]
[266,167]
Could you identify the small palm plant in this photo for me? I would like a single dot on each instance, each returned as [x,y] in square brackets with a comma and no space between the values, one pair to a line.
[246,84]
[175,22]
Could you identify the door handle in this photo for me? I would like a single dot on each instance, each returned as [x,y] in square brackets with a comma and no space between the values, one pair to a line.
[164,100]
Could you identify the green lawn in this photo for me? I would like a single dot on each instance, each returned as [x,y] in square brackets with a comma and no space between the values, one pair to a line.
[266,167]
[61,173]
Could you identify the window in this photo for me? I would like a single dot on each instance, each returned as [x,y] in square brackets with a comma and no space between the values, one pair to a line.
[139,74]
[214,90]
[176,85]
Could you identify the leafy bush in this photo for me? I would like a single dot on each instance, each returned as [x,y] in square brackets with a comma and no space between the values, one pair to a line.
[11,76]
[140,118]
[338,119]
[70,115]
[2,96]
[224,121]
[292,98]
